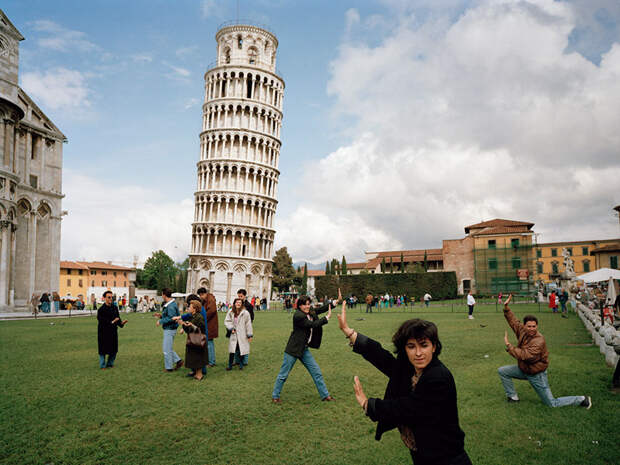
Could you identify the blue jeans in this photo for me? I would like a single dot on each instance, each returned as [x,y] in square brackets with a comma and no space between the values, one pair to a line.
[103,364]
[211,347]
[313,368]
[539,382]
[170,356]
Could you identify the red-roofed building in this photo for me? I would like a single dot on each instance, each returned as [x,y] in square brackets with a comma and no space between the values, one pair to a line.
[94,278]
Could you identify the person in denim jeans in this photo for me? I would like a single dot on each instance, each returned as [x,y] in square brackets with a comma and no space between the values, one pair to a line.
[172,361]
[307,332]
[532,362]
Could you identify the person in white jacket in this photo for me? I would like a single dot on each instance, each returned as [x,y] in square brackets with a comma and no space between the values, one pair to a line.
[470,303]
[239,324]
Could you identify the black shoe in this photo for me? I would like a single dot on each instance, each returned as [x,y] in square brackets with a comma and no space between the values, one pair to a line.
[587,402]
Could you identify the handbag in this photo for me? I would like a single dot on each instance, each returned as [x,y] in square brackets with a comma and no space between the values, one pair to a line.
[228,332]
[196,340]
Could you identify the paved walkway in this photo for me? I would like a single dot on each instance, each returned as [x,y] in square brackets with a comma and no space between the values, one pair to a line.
[40,315]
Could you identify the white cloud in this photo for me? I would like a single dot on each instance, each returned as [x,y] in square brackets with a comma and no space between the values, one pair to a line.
[351,18]
[464,121]
[192,102]
[142,58]
[212,8]
[58,88]
[185,52]
[62,39]
[179,73]
[116,222]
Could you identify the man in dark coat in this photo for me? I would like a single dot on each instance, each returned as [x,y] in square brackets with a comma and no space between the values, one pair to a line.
[307,332]
[107,331]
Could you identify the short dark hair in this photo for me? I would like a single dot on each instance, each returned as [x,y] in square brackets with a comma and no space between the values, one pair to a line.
[201,290]
[303,300]
[166,291]
[527,318]
[106,293]
[242,291]
[192,297]
[417,329]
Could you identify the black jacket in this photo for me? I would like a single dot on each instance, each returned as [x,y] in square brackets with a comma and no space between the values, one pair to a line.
[430,410]
[250,308]
[107,332]
[298,340]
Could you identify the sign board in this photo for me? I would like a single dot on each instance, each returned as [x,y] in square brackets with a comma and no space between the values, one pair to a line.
[523,274]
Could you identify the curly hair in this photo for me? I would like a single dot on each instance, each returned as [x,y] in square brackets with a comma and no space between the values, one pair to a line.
[416,329]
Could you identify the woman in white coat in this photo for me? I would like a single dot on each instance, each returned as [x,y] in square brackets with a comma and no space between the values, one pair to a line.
[239,325]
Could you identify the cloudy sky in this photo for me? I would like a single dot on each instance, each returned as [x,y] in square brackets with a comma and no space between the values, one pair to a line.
[404,121]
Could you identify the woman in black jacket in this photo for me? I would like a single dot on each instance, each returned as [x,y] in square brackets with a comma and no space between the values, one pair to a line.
[420,398]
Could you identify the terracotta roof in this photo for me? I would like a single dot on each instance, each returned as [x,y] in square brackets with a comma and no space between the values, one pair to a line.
[607,248]
[72,265]
[356,266]
[500,223]
[105,266]
[316,272]
[500,230]
[406,253]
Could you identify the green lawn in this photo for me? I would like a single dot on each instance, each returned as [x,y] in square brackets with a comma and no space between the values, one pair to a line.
[58,407]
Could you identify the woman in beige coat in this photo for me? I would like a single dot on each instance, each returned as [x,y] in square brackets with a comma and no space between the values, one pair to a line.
[239,325]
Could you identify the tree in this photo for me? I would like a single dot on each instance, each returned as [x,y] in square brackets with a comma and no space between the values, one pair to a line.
[304,281]
[327,270]
[383,265]
[425,262]
[283,270]
[181,278]
[159,271]
[334,266]
[343,267]
[298,269]
[402,263]
[391,265]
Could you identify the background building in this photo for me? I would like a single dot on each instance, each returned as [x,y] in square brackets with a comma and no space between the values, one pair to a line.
[235,200]
[30,185]
[94,278]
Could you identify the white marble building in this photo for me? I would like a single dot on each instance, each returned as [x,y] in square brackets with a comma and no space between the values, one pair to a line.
[235,200]
[30,185]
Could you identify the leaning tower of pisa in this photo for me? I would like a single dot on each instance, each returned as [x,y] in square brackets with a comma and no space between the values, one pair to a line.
[235,199]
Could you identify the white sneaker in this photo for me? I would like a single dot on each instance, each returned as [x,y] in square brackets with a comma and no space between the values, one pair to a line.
[471,317]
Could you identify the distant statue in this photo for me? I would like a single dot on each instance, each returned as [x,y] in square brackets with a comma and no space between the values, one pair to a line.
[569,266]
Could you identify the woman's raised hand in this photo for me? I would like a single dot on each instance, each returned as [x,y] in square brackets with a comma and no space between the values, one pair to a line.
[508,300]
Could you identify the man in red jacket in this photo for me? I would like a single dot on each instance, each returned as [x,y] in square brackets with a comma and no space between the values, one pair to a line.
[532,362]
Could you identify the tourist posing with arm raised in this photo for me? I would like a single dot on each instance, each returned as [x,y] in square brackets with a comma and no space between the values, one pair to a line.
[307,332]
[532,361]
[420,398]
[108,322]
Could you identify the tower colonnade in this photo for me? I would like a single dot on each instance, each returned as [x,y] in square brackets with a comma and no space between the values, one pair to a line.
[237,171]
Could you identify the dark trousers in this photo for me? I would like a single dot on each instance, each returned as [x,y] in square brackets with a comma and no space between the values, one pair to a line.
[616,378]
[368,308]
[471,310]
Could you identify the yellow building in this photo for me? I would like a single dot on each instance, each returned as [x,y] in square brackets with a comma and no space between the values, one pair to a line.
[73,279]
[550,263]
[606,256]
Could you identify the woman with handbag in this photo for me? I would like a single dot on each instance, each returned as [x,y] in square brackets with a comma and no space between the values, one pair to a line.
[196,355]
[239,324]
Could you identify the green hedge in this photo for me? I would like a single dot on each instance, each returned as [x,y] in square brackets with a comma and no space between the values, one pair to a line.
[440,285]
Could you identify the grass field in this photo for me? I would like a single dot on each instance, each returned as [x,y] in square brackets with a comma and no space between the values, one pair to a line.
[58,407]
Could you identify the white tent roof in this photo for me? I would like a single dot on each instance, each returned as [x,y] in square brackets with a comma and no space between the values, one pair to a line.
[180,294]
[598,276]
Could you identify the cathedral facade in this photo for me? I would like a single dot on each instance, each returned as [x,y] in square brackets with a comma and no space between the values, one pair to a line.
[236,196]
[30,185]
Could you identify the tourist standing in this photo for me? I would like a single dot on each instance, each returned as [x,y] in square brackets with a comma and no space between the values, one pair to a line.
[196,358]
[239,324]
[369,302]
[532,361]
[93,301]
[56,300]
[243,294]
[188,317]
[108,322]
[427,299]
[210,306]
[553,305]
[45,303]
[172,361]
[307,333]
[470,303]
[34,303]
[563,298]
[420,398]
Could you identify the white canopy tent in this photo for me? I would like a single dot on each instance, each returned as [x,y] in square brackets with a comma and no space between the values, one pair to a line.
[597,276]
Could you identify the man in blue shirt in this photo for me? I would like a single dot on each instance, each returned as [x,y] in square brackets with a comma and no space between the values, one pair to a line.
[172,361]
